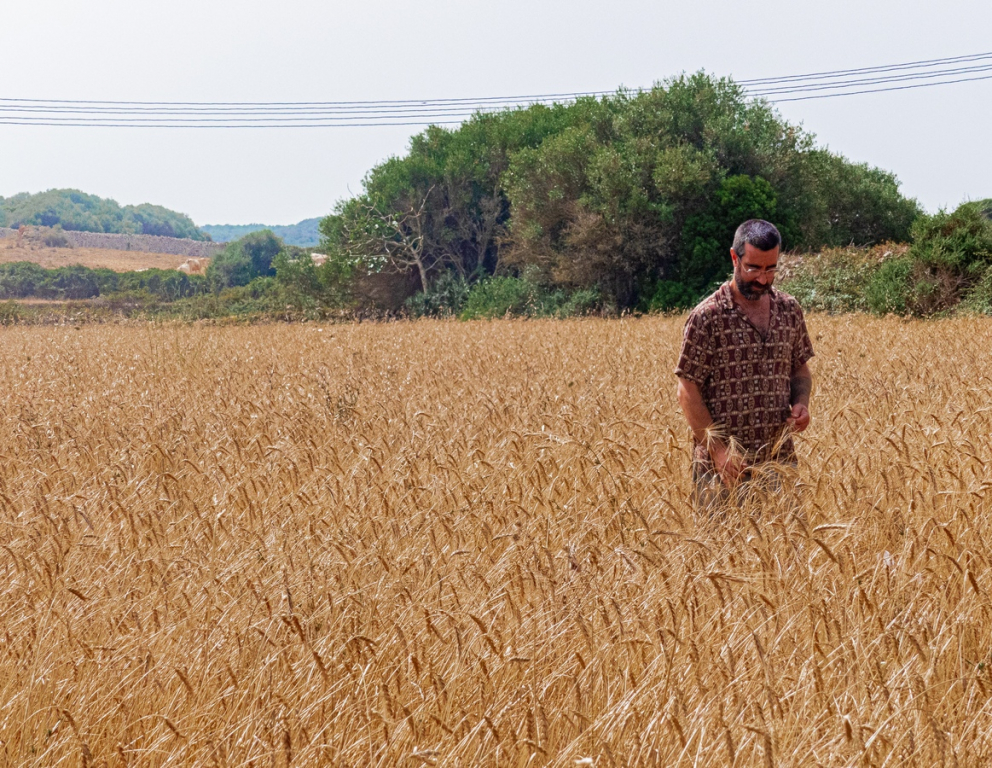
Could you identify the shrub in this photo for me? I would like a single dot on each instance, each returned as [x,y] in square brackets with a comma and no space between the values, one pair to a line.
[162,284]
[21,279]
[948,261]
[244,260]
[960,242]
[305,285]
[979,298]
[890,288]
[75,282]
[447,297]
[56,239]
[10,313]
[581,302]
[836,279]
[671,294]
[500,296]
[504,295]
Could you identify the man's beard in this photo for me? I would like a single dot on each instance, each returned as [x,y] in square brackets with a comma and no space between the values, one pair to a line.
[749,290]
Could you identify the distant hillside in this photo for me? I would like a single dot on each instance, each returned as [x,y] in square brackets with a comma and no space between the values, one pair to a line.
[303,234]
[50,237]
[79,212]
[53,248]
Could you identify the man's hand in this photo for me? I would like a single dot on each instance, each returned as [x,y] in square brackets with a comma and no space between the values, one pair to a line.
[729,464]
[799,419]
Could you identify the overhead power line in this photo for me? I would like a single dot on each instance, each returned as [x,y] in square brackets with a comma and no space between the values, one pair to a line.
[871,70]
[411,112]
[865,81]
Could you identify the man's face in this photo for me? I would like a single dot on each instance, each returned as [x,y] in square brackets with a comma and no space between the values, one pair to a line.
[754,271]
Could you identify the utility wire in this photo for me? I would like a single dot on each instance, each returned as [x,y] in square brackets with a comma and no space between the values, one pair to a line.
[881,90]
[257,125]
[437,118]
[488,99]
[433,107]
[433,111]
[131,114]
[866,70]
[535,97]
[868,81]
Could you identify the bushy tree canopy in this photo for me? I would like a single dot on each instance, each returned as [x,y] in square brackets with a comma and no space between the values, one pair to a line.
[950,261]
[243,260]
[78,211]
[624,195]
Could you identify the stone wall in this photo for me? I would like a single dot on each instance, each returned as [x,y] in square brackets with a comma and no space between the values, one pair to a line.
[113,242]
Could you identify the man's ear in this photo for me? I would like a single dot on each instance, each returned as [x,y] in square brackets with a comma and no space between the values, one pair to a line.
[733,256]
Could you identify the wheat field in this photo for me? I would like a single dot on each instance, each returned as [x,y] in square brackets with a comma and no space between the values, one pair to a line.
[94,258]
[464,544]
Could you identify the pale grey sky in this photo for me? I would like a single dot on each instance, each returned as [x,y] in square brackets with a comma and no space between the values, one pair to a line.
[934,139]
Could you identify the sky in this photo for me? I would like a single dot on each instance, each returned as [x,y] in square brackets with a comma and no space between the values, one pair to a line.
[935,140]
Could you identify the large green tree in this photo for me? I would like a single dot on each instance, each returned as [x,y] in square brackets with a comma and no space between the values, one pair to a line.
[628,195]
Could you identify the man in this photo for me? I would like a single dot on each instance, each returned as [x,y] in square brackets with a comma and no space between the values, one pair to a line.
[744,383]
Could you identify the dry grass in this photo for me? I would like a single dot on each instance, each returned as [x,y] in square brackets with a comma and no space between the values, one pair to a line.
[472,544]
[94,258]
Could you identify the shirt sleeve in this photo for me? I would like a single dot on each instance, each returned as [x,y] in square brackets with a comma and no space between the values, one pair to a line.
[802,347]
[696,357]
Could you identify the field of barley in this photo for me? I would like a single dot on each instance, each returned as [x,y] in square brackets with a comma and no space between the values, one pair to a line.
[94,258]
[462,544]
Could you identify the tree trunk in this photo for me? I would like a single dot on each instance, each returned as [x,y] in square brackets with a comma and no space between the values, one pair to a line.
[422,271]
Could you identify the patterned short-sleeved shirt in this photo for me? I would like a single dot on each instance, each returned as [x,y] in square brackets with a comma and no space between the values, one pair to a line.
[744,377]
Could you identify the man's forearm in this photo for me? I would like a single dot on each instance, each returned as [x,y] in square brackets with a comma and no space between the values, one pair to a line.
[694,409]
[800,386]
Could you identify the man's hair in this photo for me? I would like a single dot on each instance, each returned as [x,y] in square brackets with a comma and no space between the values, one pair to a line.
[760,233]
